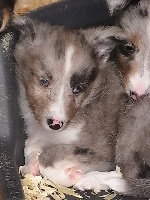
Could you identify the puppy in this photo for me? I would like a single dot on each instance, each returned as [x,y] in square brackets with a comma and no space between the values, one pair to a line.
[133,140]
[133,146]
[69,99]
[6,6]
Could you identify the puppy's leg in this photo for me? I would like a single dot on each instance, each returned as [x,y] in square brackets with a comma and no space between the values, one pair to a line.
[132,147]
[101,181]
[131,167]
[127,158]
[128,161]
[31,167]
[58,164]
[32,150]
[63,172]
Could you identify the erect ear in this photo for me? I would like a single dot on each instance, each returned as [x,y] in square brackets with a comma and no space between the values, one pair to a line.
[26,27]
[104,48]
[103,40]
[116,6]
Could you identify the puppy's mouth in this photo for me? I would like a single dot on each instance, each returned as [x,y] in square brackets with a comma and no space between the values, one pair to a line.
[136,97]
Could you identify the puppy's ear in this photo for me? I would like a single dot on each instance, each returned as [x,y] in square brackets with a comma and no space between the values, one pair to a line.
[143,8]
[104,49]
[103,40]
[116,6]
[25,26]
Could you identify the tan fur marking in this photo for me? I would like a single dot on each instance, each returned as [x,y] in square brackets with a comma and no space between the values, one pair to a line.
[135,39]
[127,69]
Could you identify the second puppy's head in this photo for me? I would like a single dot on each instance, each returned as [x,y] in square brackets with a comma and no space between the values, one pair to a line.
[57,68]
[134,52]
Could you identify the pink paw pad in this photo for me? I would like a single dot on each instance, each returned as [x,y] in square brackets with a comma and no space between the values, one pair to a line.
[73,174]
[32,167]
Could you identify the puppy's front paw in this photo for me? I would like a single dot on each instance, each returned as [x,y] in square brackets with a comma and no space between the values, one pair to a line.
[31,168]
[118,184]
[90,181]
[102,181]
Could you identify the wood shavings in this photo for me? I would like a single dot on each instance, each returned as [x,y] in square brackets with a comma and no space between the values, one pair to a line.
[39,188]
[68,191]
[36,187]
[6,39]
[109,196]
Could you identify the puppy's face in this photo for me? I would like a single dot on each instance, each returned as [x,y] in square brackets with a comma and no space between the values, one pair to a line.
[134,53]
[58,68]
[57,71]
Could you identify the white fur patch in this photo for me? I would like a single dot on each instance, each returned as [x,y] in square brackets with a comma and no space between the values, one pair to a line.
[58,108]
[71,134]
[102,180]
[57,173]
[68,59]
[114,4]
[140,82]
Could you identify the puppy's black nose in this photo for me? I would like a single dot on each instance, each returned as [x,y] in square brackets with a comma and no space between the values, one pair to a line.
[54,124]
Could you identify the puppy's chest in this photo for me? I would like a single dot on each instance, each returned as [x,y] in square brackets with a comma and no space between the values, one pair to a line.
[71,134]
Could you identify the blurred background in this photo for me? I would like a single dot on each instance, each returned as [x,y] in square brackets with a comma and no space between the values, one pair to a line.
[23,6]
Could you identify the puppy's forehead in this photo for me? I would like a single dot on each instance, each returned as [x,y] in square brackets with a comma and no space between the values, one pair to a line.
[60,39]
[66,52]
[59,52]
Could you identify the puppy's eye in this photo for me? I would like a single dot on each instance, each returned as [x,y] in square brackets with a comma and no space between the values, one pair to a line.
[78,89]
[44,82]
[127,49]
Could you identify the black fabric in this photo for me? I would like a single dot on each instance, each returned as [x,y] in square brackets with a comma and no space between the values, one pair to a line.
[74,13]
[11,131]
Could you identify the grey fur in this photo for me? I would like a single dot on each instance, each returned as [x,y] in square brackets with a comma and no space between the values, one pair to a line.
[132,149]
[133,144]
